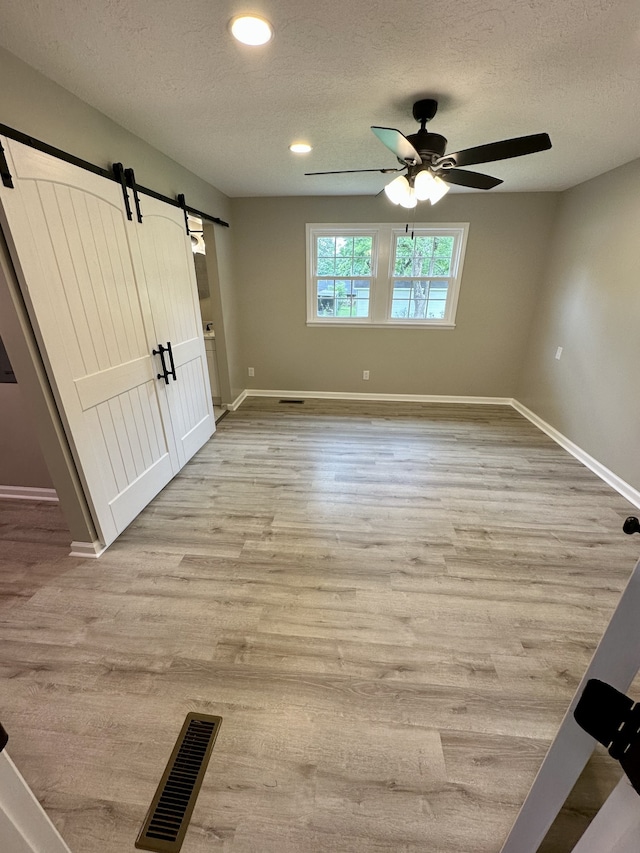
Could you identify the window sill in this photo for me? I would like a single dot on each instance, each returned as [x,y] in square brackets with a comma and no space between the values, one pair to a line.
[333,324]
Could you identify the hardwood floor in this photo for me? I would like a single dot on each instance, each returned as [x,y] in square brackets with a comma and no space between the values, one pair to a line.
[390,605]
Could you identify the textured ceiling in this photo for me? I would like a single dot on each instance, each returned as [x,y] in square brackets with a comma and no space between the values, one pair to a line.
[169,71]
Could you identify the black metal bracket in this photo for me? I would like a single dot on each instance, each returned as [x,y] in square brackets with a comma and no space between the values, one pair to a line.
[5,174]
[4,737]
[183,204]
[614,721]
[118,171]
[131,182]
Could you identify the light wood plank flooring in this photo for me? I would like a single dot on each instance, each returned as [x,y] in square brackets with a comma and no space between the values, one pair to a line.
[390,605]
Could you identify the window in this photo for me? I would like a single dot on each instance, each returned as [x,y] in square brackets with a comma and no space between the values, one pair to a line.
[380,275]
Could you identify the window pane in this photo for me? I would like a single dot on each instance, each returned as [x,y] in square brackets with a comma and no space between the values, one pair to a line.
[326,306]
[344,246]
[344,266]
[343,298]
[404,246]
[441,266]
[400,309]
[444,247]
[326,287]
[326,266]
[326,247]
[423,256]
[419,299]
[435,310]
[362,266]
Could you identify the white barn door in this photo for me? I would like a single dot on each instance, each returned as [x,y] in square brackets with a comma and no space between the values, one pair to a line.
[74,249]
[165,262]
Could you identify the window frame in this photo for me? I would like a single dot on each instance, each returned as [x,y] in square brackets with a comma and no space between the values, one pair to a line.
[382,272]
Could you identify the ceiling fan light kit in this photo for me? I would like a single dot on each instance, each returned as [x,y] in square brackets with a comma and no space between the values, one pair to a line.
[429,171]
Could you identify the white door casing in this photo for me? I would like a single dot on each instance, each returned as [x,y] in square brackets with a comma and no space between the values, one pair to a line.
[81,266]
[24,826]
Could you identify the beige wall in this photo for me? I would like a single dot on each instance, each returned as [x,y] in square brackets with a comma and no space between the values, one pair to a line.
[506,250]
[21,460]
[590,306]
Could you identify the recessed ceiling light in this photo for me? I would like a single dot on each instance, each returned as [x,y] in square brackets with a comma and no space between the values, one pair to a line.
[250,29]
[300,148]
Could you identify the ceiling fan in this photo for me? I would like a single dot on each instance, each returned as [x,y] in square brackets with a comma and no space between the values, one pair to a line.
[429,171]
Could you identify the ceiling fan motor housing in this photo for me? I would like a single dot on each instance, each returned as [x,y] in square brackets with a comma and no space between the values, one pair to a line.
[427,144]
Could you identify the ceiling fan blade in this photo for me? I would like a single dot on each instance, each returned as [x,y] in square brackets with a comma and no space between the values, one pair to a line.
[503,150]
[398,143]
[351,171]
[468,179]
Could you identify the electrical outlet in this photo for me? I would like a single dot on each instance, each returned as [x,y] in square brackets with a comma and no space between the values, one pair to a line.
[365,374]
[252,372]
[558,353]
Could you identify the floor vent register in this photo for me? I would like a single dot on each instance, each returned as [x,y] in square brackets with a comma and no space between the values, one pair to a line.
[170,811]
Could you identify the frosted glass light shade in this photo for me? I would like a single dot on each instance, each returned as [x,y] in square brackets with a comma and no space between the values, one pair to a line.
[440,189]
[397,190]
[424,185]
[409,200]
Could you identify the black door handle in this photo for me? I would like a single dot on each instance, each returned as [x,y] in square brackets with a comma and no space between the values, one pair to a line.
[165,373]
[172,370]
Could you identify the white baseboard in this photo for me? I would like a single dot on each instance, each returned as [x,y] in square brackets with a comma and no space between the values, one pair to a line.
[352,395]
[27,493]
[232,407]
[623,488]
[87,549]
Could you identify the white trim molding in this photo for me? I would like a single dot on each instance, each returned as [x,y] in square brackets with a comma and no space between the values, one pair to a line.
[623,488]
[87,549]
[24,825]
[235,405]
[353,395]
[27,493]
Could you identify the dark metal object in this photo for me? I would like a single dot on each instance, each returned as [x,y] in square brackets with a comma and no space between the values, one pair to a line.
[183,204]
[167,820]
[4,737]
[631,525]
[131,182]
[172,369]
[165,373]
[12,133]
[352,171]
[5,174]
[503,150]
[118,171]
[469,179]
[614,721]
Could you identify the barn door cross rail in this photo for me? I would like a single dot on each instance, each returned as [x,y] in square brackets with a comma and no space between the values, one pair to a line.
[25,139]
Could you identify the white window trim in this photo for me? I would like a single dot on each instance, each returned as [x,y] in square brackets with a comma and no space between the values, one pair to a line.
[381,291]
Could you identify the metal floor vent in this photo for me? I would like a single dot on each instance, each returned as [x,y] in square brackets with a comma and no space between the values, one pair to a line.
[170,811]
[299,402]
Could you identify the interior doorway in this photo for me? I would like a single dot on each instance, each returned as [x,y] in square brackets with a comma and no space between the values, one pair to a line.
[205,262]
